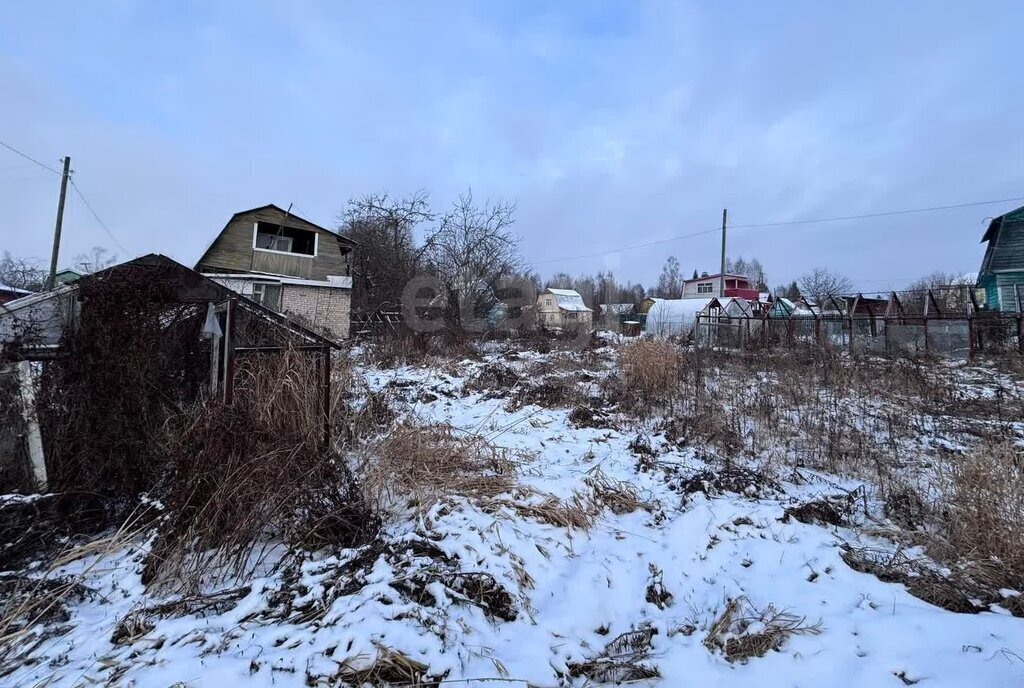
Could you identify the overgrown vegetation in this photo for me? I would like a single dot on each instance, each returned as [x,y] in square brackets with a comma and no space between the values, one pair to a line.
[132,362]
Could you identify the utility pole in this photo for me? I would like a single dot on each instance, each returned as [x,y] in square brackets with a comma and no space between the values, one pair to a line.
[60,221]
[725,215]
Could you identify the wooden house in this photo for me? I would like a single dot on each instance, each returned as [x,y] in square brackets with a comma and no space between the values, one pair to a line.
[287,264]
[1002,269]
[563,308]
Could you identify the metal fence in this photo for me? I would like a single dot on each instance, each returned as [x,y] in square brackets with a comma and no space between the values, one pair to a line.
[949,322]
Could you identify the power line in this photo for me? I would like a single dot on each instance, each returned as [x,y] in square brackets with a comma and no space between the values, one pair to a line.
[630,248]
[29,158]
[781,224]
[882,214]
[101,222]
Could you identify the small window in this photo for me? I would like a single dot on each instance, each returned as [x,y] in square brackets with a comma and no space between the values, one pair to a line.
[705,287]
[270,236]
[267,295]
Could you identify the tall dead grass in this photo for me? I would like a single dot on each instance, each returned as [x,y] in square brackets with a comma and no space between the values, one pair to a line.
[651,368]
[252,475]
[986,508]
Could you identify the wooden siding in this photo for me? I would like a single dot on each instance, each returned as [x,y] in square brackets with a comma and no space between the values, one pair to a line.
[232,251]
[1006,250]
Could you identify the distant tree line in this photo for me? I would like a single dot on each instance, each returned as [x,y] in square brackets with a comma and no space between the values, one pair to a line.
[597,289]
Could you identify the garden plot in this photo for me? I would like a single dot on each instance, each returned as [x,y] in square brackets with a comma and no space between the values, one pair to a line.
[666,540]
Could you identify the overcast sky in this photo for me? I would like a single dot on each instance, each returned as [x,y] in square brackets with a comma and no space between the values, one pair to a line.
[608,123]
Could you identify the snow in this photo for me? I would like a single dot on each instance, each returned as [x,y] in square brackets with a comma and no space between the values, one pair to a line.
[13,290]
[581,588]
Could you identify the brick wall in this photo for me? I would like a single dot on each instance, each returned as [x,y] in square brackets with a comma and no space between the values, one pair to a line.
[319,308]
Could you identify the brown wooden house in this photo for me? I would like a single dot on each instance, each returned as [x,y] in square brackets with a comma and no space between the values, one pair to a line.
[287,264]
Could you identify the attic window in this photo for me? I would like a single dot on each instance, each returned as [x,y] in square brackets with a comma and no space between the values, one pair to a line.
[270,236]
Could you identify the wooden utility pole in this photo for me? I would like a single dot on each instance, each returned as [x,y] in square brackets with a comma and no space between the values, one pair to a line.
[725,216]
[60,222]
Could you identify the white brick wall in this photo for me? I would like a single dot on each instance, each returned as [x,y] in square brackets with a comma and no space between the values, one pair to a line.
[319,308]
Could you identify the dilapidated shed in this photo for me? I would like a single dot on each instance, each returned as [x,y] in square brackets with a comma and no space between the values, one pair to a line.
[127,344]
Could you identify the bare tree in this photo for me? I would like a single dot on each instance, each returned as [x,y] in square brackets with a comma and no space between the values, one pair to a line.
[820,282]
[950,291]
[788,291]
[472,250]
[387,256]
[22,273]
[95,259]
[670,283]
[751,269]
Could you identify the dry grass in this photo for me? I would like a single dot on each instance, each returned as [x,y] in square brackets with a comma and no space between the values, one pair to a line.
[986,503]
[419,465]
[388,668]
[651,368]
[623,660]
[742,631]
[576,512]
[581,510]
[34,609]
[247,477]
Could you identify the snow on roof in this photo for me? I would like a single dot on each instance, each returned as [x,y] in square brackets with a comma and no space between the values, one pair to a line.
[569,300]
[674,317]
[14,290]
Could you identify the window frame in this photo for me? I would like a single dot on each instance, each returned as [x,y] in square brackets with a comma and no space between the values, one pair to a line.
[710,287]
[316,243]
[261,298]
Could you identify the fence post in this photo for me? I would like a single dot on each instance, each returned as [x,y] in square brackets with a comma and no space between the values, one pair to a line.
[326,392]
[970,335]
[927,346]
[1020,329]
[229,353]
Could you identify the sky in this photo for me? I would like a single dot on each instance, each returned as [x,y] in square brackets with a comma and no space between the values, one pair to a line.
[608,124]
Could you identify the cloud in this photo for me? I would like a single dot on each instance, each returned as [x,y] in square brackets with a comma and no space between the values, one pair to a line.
[609,123]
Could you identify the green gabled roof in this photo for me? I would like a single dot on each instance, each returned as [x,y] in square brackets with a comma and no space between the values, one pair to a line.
[997,222]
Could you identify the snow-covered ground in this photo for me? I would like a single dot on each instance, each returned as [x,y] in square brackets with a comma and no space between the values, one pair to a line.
[665,572]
